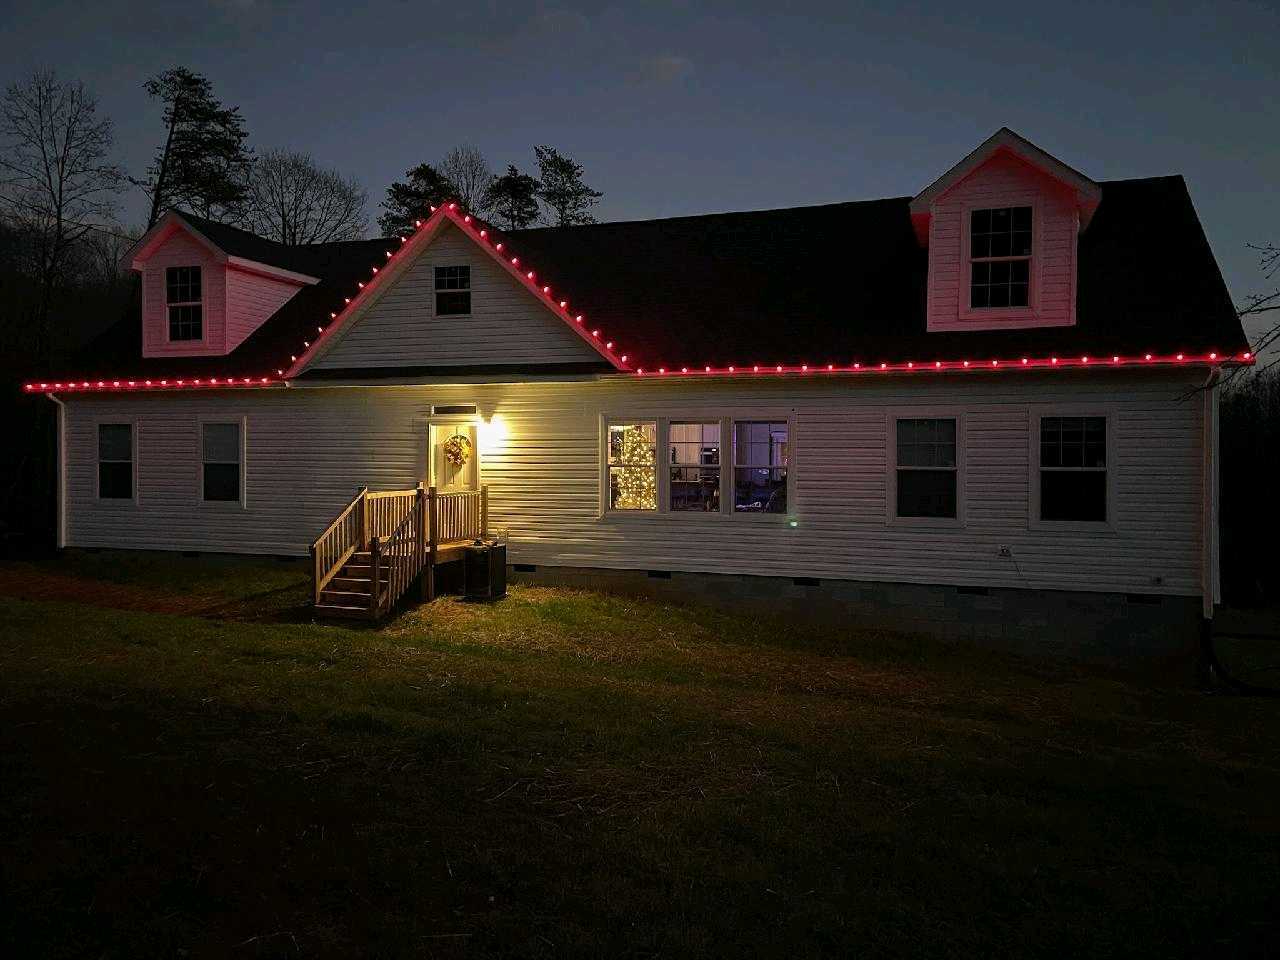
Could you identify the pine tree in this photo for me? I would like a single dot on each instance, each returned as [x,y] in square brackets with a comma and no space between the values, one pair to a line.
[512,199]
[412,199]
[562,190]
[203,164]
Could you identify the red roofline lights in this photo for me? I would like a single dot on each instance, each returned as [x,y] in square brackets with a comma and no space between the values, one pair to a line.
[526,276]
[945,366]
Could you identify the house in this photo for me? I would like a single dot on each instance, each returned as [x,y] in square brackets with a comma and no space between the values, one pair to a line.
[986,411]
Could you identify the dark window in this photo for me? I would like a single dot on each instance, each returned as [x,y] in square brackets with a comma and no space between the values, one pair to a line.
[926,467]
[695,466]
[115,461]
[761,455]
[453,290]
[184,300]
[1073,468]
[1000,255]
[221,453]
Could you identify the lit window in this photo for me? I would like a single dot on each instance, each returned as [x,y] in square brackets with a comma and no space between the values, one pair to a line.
[633,466]
[1000,257]
[1073,468]
[695,466]
[926,467]
[453,290]
[221,446]
[761,455]
[183,297]
[115,461]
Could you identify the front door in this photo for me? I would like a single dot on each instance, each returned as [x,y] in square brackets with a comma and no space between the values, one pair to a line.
[455,457]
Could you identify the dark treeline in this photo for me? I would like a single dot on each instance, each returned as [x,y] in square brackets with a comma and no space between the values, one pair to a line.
[1250,449]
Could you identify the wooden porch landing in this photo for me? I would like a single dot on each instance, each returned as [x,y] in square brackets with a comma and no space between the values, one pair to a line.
[385,544]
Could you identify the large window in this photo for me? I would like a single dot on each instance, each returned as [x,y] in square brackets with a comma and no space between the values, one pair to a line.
[115,461]
[1073,468]
[633,466]
[1000,257]
[184,300]
[761,455]
[453,290]
[695,466]
[926,467]
[222,475]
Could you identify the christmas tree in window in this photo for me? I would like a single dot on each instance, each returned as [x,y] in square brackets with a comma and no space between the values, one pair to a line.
[633,476]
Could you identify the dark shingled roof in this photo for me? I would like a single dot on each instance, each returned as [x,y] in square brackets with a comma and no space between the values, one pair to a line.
[838,283]
[846,282]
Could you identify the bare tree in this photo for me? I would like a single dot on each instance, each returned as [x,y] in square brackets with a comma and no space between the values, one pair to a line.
[56,178]
[466,168]
[1259,303]
[293,201]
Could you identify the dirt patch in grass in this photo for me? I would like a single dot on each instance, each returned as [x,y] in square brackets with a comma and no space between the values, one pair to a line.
[225,587]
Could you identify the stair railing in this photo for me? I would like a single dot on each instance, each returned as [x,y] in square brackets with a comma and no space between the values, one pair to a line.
[333,548]
[402,555]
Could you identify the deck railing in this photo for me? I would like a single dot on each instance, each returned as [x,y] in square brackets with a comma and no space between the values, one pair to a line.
[401,530]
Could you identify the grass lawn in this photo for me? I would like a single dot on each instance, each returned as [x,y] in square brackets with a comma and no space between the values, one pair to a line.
[193,768]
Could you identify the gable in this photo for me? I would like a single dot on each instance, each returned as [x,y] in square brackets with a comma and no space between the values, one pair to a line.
[508,326]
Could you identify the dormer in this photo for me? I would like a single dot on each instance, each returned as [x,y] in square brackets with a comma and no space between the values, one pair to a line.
[206,286]
[1002,227]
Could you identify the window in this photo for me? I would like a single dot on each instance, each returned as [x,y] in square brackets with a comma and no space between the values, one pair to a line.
[760,458]
[1000,257]
[186,316]
[633,466]
[1073,468]
[926,467]
[453,290]
[221,452]
[695,466]
[115,461]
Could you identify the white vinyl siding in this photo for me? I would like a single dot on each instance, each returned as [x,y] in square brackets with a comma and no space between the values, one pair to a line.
[506,326]
[310,449]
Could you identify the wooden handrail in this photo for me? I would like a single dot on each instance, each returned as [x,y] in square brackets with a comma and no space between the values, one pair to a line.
[334,547]
[402,530]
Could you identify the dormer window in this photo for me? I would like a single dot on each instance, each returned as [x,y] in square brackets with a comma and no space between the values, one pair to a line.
[1000,258]
[183,297]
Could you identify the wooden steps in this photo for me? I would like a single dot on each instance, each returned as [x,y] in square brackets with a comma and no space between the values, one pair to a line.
[350,593]
[404,535]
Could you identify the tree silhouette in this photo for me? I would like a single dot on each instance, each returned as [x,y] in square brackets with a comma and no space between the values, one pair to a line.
[203,164]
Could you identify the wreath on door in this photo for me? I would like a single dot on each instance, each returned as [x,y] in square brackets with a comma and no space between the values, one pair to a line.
[457,450]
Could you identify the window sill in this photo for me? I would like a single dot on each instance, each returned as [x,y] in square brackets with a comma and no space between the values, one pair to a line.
[692,515]
[221,504]
[1104,527]
[998,313]
[927,523]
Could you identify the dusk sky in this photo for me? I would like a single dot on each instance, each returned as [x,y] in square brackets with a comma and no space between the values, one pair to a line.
[682,108]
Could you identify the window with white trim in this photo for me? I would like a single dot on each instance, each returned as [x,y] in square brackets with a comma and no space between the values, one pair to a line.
[453,290]
[999,257]
[694,462]
[927,476]
[761,456]
[221,452]
[633,465]
[115,461]
[183,297]
[1073,469]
